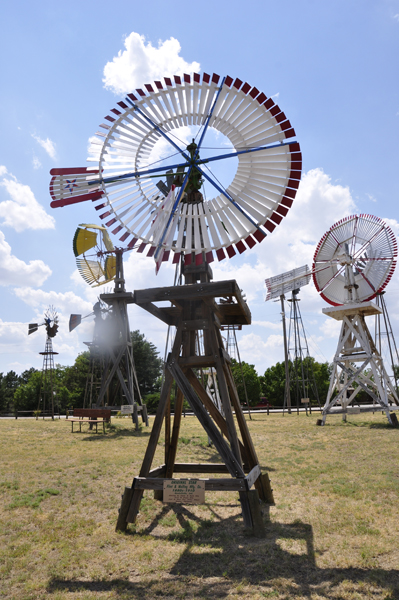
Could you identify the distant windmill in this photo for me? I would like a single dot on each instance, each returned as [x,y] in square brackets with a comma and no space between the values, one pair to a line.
[46,396]
[111,352]
[298,368]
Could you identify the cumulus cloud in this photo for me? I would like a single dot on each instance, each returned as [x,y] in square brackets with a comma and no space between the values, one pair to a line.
[141,62]
[22,211]
[66,302]
[47,145]
[14,271]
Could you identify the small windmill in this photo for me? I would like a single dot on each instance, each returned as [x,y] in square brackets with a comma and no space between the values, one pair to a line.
[299,376]
[46,396]
[111,349]
[353,262]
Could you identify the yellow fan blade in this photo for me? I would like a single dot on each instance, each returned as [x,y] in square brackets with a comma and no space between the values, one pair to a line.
[110,267]
[83,241]
[107,240]
[90,270]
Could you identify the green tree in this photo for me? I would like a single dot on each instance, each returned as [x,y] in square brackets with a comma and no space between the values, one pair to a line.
[8,385]
[273,384]
[147,362]
[252,383]
[26,396]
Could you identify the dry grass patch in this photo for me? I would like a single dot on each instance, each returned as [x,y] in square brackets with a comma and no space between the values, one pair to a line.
[332,534]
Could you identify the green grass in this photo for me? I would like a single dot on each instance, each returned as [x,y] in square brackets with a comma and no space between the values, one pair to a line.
[332,534]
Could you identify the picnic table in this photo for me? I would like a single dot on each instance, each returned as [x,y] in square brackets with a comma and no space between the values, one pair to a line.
[92,416]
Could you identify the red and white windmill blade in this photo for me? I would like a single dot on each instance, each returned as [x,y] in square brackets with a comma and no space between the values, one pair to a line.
[129,192]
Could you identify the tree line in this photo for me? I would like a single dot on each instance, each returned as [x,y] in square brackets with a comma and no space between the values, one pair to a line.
[22,392]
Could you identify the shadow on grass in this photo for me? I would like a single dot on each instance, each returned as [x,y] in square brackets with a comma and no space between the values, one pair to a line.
[112,432]
[219,557]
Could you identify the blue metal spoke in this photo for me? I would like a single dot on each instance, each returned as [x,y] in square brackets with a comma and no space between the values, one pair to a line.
[230,199]
[172,214]
[135,174]
[208,119]
[158,128]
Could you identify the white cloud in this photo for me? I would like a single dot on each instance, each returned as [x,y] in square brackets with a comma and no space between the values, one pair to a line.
[14,271]
[23,211]
[36,163]
[39,300]
[141,63]
[3,170]
[47,145]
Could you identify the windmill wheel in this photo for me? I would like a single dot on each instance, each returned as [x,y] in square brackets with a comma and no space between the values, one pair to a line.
[363,244]
[91,246]
[174,201]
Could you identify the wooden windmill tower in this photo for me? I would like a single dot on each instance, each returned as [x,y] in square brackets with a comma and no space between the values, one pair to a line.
[172,210]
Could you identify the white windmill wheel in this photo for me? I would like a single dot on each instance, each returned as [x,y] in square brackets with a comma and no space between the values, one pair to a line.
[354,260]
[163,204]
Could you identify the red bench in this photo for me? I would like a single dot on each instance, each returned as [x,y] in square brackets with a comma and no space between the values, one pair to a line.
[92,416]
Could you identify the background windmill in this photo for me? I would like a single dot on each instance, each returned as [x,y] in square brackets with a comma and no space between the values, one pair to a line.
[47,393]
[112,379]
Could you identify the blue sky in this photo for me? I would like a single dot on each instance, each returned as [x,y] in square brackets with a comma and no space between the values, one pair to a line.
[333,67]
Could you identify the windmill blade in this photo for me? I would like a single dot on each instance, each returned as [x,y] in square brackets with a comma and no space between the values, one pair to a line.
[32,327]
[83,240]
[288,281]
[72,185]
[74,321]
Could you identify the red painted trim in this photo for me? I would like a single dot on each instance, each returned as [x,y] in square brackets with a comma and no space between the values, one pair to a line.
[215,78]
[290,133]
[261,98]
[287,202]
[124,236]
[122,104]
[296,165]
[72,171]
[159,85]
[168,81]
[111,222]
[290,193]
[198,259]
[197,78]
[220,254]
[140,92]
[111,119]
[76,199]
[238,83]
[206,78]
[99,206]
[275,110]
[254,92]
[165,256]
[117,229]
[209,257]
[282,210]
[177,79]
[281,117]
[240,247]
[132,97]
[250,241]
[276,218]
[285,125]
[270,226]
[245,88]
[293,183]
[228,81]
[186,78]
[230,251]
[259,235]
[296,156]
[295,174]
[268,104]
[115,111]
[106,214]
[295,147]
[132,243]
[176,258]
[187,259]
[151,251]
[105,126]
[148,87]
[140,249]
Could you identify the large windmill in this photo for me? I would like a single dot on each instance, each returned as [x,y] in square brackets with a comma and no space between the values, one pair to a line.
[46,395]
[178,207]
[353,262]
[111,351]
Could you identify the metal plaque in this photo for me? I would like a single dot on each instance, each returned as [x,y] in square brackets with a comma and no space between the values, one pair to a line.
[184,491]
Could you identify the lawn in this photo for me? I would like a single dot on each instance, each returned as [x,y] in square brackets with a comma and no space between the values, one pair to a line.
[332,534]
